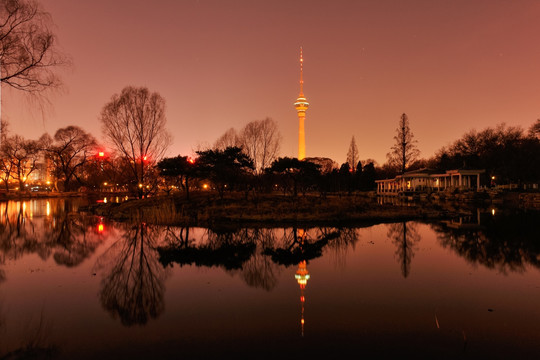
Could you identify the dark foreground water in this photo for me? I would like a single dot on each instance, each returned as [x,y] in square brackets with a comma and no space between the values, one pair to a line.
[75,288]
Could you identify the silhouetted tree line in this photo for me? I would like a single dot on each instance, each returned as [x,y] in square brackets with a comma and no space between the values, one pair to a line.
[508,153]
[73,160]
[231,169]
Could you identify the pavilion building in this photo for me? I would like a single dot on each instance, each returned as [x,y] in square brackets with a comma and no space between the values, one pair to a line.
[426,180]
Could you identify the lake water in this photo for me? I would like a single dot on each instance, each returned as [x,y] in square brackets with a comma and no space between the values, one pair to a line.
[83,287]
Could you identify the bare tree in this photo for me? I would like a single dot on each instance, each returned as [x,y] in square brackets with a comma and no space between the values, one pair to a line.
[534,130]
[229,139]
[134,123]
[250,139]
[352,155]
[28,54]
[261,140]
[270,142]
[27,46]
[6,165]
[24,155]
[404,152]
[69,151]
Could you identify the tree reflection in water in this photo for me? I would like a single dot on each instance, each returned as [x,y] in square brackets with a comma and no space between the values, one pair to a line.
[339,246]
[405,236]
[227,249]
[506,243]
[259,271]
[46,228]
[298,245]
[236,251]
[74,237]
[133,288]
[55,231]
[254,254]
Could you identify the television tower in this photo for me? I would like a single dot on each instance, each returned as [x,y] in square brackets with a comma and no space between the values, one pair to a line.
[301,106]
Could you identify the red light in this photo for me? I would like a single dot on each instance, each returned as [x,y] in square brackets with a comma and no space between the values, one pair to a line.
[101,154]
[191,161]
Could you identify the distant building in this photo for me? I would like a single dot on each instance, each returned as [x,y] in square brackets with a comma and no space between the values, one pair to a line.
[430,180]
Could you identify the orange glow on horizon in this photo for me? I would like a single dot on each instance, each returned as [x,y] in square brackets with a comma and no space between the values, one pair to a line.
[359,91]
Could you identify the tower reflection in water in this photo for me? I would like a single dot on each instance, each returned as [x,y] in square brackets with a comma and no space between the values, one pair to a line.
[302,276]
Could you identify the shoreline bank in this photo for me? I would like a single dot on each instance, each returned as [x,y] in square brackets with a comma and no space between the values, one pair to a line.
[209,210]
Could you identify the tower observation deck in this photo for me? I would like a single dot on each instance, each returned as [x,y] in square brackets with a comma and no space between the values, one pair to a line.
[301,106]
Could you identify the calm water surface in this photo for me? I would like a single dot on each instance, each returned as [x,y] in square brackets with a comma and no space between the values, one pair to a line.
[83,287]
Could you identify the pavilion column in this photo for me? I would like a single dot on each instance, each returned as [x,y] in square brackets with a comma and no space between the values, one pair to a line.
[478,182]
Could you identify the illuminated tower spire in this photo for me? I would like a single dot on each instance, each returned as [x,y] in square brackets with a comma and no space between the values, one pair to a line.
[301,106]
